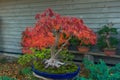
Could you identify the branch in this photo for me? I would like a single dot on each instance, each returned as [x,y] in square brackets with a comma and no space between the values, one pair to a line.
[108,43]
[62,46]
[107,40]
[57,38]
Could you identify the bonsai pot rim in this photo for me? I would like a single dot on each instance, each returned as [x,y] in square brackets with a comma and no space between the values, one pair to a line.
[110,51]
[56,76]
[83,49]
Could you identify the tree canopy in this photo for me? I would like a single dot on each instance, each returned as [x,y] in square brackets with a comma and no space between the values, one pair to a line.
[52,29]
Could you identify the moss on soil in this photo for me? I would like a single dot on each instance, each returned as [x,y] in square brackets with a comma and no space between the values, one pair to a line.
[62,69]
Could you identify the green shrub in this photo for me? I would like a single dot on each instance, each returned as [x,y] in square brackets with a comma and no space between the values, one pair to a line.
[28,59]
[26,70]
[6,78]
[66,56]
[101,71]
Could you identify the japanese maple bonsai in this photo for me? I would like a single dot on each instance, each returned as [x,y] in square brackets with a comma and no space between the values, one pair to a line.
[53,32]
[107,39]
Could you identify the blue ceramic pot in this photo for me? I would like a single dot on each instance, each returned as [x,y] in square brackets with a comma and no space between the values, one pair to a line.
[56,76]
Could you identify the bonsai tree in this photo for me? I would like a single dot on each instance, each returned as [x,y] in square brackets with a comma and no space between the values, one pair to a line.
[54,31]
[82,44]
[107,37]
[81,41]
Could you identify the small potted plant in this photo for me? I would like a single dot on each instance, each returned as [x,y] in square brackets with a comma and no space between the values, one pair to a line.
[44,45]
[86,39]
[73,43]
[107,40]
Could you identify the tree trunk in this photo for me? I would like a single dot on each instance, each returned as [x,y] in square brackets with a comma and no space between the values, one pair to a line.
[53,61]
[107,40]
[55,44]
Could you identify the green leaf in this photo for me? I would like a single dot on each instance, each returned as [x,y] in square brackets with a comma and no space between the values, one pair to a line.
[26,70]
[101,71]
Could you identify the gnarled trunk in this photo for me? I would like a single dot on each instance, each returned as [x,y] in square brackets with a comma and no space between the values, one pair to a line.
[53,61]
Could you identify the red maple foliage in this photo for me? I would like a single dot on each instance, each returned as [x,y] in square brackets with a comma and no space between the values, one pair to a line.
[52,29]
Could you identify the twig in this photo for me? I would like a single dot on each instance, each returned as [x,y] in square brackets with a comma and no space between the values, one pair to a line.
[62,47]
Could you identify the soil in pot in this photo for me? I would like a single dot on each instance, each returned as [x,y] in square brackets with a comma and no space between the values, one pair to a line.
[62,69]
[67,71]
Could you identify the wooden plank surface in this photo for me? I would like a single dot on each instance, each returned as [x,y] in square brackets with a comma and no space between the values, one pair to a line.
[111,60]
[96,54]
